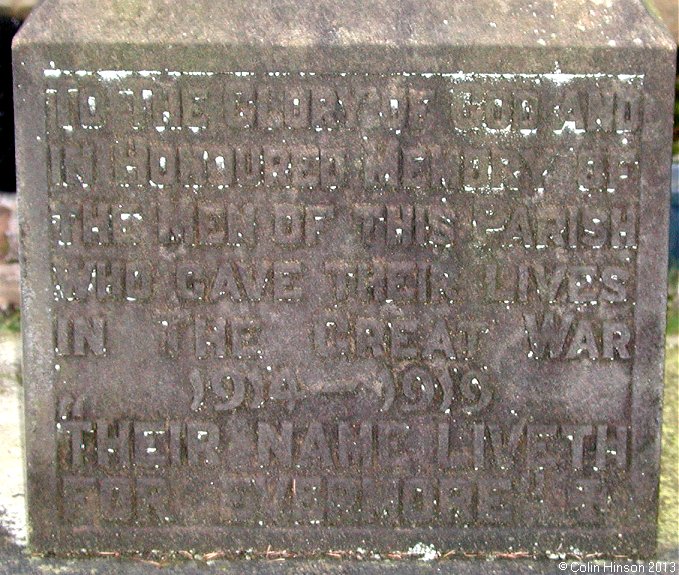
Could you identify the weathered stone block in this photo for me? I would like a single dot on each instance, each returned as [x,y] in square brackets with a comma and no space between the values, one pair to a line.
[318,275]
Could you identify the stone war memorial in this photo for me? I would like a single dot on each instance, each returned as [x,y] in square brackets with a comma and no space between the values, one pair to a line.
[316,275]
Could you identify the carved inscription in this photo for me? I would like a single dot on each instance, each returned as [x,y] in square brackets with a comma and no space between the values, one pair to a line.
[312,288]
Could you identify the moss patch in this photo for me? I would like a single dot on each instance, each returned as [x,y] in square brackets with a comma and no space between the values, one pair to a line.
[10,322]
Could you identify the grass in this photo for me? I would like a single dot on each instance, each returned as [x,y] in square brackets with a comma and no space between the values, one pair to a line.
[672,323]
[10,323]
[673,302]
[668,519]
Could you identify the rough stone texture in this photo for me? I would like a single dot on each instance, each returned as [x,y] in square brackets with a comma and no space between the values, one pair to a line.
[319,276]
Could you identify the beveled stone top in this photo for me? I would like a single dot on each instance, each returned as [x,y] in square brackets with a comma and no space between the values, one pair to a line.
[384,23]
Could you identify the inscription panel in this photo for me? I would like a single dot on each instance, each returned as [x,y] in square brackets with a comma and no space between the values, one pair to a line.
[344,301]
